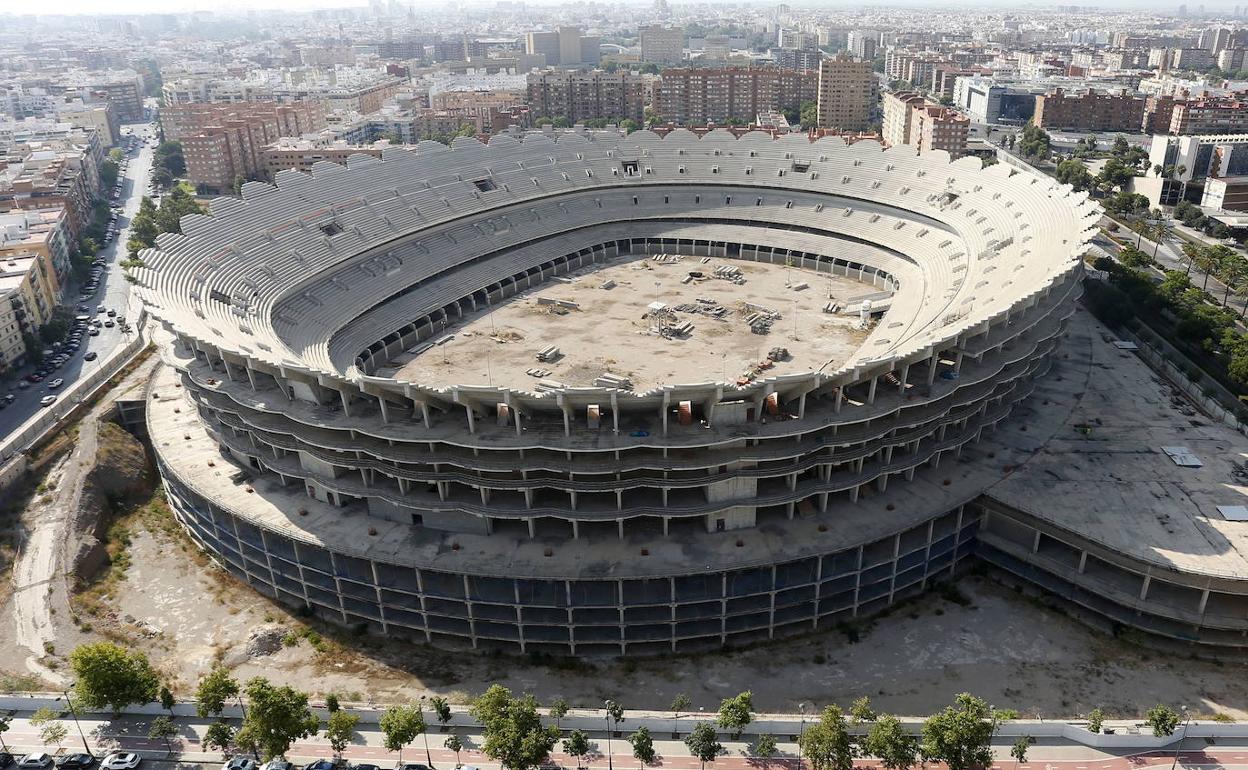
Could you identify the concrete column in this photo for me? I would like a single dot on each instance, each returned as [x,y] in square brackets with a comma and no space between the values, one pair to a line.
[853,494]
[840,399]
[823,501]
[932,364]
[1204,600]
[871,393]
[620,523]
[667,400]
[528,498]
[615,413]
[1144,587]
[801,406]
[251,377]
[472,419]
[385,411]
[424,414]
[957,362]
[346,402]
[666,521]
[576,530]
[1035,542]
[1083,561]
[532,527]
[516,414]
[905,374]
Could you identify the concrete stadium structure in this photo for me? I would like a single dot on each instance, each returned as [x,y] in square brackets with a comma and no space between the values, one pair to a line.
[590,519]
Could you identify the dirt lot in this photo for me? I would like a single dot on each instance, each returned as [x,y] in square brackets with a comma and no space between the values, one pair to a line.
[186,614]
[611,330]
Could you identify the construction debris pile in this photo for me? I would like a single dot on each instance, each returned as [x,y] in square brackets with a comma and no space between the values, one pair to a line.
[760,318]
[729,273]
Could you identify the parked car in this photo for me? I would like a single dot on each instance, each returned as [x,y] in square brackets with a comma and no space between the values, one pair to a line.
[6,759]
[35,761]
[319,764]
[90,355]
[78,761]
[45,401]
[277,764]
[54,384]
[93,332]
[120,760]
[410,766]
[239,763]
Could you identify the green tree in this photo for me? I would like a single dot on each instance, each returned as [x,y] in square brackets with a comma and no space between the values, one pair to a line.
[514,733]
[339,730]
[220,736]
[278,717]
[110,676]
[643,745]
[576,745]
[167,701]
[629,125]
[765,748]
[827,743]
[735,713]
[702,743]
[1019,749]
[861,710]
[51,731]
[453,743]
[1162,719]
[331,703]
[680,703]
[961,734]
[888,741]
[215,688]
[441,710]
[558,710]
[399,726]
[1073,173]
[1096,718]
[562,122]
[808,115]
[5,722]
[162,728]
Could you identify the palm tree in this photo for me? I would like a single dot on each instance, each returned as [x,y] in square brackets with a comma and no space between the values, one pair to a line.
[1162,231]
[1207,260]
[1192,252]
[1232,270]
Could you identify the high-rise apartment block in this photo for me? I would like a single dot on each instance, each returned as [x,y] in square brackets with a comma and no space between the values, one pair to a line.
[565,47]
[847,93]
[698,96]
[26,303]
[909,119]
[1209,116]
[1090,111]
[222,143]
[662,45]
[863,43]
[591,95]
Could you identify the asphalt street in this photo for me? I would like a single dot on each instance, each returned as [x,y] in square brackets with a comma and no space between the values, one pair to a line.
[113,292]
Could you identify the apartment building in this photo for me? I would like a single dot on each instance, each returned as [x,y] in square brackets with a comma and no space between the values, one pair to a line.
[796,58]
[44,235]
[698,96]
[909,119]
[222,143]
[662,45]
[301,154]
[1089,111]
[587,95]
[897,108]
[26,303]
[1209,116]
[863,43]
[847,91]
[564,47]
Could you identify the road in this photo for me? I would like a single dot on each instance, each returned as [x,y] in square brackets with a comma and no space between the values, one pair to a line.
[129,733]
[114,292]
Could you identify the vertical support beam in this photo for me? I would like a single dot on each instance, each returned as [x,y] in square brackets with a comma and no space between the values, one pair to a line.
[1148,579]
[871,393]
[1083,561]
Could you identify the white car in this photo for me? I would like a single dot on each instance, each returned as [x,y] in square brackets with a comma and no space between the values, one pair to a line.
[120,760]
[239,763]
[30,761]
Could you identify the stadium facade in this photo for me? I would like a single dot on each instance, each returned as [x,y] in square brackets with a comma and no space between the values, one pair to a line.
[593,519]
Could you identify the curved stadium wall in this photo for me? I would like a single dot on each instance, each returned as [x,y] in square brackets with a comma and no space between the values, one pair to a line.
[596,520]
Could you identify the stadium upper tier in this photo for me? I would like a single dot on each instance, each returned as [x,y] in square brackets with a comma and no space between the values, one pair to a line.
[327,276]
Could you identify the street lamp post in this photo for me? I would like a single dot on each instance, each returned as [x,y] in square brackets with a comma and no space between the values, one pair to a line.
[801,733]
[74,712]
[608,704]
[1187,719]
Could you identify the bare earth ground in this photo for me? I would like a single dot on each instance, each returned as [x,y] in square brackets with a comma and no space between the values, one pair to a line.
[609,332]
[983,638]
